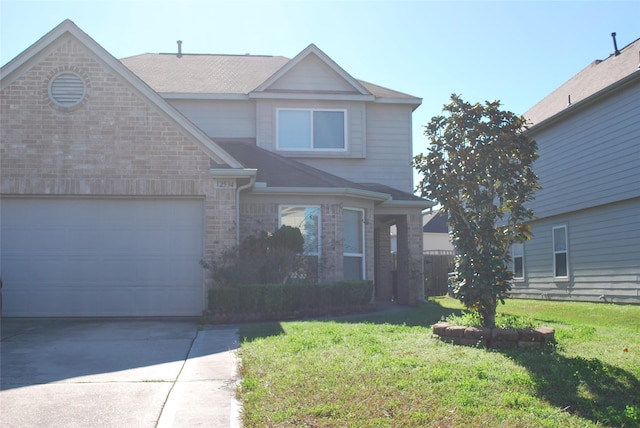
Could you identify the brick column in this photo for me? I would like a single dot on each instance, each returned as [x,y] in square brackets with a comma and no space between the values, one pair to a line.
[383,264]
[410,264]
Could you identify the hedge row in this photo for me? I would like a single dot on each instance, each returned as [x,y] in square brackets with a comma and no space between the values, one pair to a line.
[254,302]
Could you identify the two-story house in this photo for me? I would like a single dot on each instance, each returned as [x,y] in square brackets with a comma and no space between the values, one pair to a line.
[586,240]
[120,179]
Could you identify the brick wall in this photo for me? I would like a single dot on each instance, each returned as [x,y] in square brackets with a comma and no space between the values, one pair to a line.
[114,143]
[261,213]
[416,263]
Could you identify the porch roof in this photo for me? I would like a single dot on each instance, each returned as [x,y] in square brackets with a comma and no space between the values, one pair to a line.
[278,171]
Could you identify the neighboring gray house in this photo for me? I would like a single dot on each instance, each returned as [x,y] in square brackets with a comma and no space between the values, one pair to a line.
[435,234]
[118,179]
[586,240]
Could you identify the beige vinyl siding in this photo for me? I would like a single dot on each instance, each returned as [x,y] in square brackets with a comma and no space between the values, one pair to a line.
[590,158]
[389,146]
[388,150]
[604,255]
[312,74]
[355,118]
[222,119]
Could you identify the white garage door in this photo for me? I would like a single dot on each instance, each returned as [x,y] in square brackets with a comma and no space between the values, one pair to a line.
[101,257]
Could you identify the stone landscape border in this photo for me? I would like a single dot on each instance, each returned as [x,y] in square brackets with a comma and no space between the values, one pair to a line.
[494,337]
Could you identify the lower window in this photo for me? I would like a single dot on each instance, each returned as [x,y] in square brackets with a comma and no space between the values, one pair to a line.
[560,252]
[307,219]
[517,260]
[353,244]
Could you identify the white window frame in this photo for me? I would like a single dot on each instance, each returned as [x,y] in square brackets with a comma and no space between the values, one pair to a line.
[513,261]
[565,251]
[319,237]
[364,246]
[311,148]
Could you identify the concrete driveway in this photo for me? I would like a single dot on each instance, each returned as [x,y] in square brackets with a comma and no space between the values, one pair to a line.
[117,373]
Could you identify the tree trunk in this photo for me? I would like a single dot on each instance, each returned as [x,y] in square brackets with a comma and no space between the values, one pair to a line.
[488,311]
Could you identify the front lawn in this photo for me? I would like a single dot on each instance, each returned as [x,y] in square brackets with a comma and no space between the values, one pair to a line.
[386,370]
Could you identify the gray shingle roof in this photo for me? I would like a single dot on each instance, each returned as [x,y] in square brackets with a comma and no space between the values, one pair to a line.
[217,74]
[279,171]
[597,76]
[435,223]
[197,74]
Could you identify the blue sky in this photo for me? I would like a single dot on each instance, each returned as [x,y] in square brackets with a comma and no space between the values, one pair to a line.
[513,51]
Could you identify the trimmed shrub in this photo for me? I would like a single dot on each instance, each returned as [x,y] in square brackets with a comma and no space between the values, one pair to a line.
[267,257]
[254,302]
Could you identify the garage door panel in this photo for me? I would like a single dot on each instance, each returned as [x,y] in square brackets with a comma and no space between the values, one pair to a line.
[101,257]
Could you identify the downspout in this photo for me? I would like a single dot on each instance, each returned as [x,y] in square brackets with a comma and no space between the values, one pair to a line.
[252,180]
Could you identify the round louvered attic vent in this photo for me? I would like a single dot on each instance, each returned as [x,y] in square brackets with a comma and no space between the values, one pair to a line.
[67,89]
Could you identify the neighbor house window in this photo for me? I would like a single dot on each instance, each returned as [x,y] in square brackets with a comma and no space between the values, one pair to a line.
[560,252]
[517,260]
[300,129]
[353,243]
[307,219]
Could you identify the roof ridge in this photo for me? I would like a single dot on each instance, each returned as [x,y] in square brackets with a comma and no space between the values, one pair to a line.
[219,54]
[205,54]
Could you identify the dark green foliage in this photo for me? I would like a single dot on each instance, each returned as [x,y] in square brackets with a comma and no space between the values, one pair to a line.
[252,302]
[264,258]
[479,169]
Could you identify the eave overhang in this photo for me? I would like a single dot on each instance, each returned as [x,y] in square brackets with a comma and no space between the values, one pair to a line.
[233,172]
[322,191]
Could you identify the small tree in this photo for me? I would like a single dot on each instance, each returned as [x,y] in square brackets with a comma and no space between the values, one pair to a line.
[478,168]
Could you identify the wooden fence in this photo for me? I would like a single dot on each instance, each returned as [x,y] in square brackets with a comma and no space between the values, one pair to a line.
[437,265]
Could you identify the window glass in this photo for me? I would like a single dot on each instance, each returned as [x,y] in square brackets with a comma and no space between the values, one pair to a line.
[307,219]
[328,130]
[352,231]
[560,258]
[311,129]
[353,244]
[518,268]
[559,242]
[294,129]
[517,254]
[561,264]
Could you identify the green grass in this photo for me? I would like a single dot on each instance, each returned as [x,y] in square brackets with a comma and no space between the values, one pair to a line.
[387,370]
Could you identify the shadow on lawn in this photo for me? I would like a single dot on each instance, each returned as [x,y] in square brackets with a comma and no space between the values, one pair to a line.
[421,315]
[587,388]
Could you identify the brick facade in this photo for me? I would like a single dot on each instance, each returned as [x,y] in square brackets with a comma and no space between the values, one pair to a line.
[416,262]
[261,213]
[115,143]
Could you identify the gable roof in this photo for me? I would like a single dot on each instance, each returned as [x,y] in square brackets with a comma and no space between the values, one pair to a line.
[435,222]
[238,76]
[276,173]
[597,78]
[67,28]
[308,51]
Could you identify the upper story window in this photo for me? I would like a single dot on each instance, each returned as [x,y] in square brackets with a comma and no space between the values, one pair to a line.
[306,129]
[560,253]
